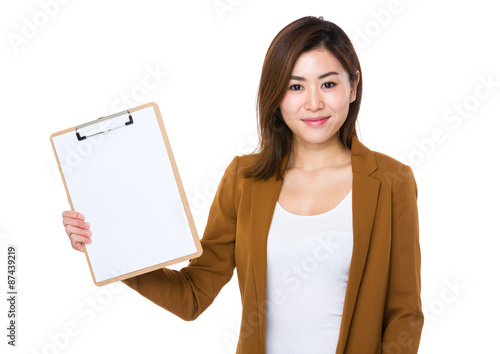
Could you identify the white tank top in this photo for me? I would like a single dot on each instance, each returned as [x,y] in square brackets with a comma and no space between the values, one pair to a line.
[308,261]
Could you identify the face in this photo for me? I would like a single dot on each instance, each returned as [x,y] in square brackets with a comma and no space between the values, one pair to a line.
[317,100]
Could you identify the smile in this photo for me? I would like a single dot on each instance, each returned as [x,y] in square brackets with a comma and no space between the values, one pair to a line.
[316,121]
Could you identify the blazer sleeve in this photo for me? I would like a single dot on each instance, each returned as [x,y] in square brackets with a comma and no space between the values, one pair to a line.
[403,316]
[189,291]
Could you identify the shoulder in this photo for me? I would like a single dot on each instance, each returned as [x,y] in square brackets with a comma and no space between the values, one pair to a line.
[245,160]
[388,163]
[398,175]
[238,164]
[372,162]
[388,169]
[238,169]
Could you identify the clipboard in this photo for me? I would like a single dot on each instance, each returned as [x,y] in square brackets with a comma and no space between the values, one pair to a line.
[120,172]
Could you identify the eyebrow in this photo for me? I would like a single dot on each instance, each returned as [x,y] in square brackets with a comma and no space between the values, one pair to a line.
[299,78]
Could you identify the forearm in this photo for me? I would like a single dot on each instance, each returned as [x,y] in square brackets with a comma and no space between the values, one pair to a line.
[169,289]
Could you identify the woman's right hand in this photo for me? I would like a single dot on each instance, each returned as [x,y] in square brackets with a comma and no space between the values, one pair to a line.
[77,229]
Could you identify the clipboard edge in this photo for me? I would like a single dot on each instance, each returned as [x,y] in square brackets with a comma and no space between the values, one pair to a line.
[67,190]
[147,269]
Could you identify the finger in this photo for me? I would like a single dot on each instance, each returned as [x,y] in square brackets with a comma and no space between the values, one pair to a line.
[75,239]
[77,246]
[73,214]
[72,230]
[76,223]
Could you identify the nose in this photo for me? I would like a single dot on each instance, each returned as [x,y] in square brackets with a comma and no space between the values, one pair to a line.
[313,100]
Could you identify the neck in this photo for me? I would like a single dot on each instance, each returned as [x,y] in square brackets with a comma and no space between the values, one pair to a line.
[311,157]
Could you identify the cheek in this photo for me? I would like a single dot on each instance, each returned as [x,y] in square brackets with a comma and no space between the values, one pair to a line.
[339,100]
[289,104]
[288,109]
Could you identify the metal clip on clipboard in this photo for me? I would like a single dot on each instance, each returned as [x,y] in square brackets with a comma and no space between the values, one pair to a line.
[130,121]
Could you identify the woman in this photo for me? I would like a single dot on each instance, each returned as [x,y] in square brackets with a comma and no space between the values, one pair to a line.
[323,232]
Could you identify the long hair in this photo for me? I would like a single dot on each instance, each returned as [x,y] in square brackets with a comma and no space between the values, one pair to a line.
[302,35]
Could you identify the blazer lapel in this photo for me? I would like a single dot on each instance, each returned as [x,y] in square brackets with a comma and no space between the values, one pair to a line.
[365,191]
[264,198]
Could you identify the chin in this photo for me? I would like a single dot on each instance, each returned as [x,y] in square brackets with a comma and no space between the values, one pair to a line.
[319,138]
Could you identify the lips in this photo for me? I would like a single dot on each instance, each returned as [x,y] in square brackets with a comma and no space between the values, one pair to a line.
[315,121]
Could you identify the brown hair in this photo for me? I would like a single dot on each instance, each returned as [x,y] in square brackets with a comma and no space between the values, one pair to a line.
[302,35]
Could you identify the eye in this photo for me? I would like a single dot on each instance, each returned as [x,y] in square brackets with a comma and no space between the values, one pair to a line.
[329,84]
[295,87]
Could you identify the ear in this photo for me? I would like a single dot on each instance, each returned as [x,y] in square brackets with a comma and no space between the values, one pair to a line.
[354,88]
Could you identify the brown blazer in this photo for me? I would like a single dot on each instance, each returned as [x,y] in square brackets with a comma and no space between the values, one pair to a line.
[382,309]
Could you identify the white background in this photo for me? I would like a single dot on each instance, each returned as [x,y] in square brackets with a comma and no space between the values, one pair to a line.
[64,64]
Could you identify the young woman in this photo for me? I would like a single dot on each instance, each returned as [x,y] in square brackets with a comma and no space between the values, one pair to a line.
[322,231]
